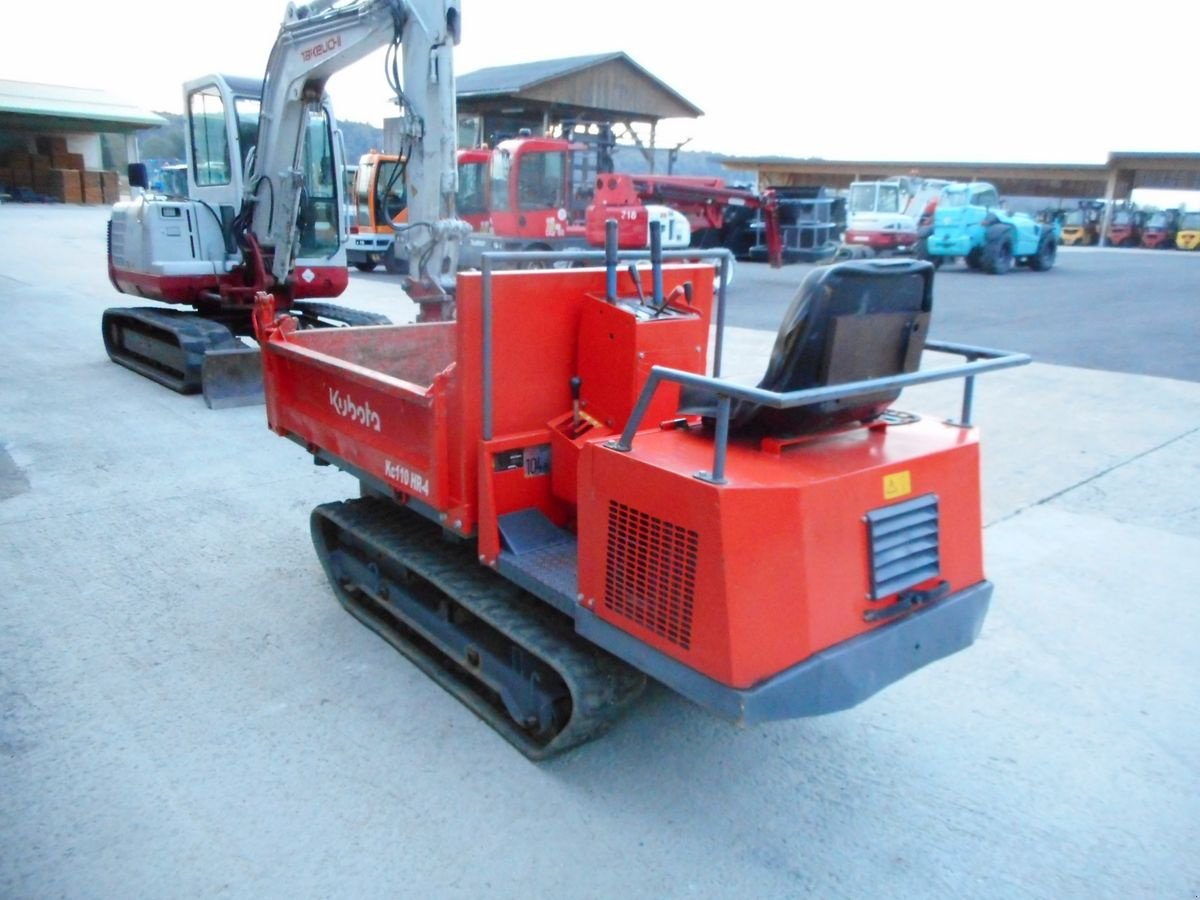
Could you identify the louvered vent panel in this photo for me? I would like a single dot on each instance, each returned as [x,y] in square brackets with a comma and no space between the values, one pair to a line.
[116,241]
[904,545]
[651,572]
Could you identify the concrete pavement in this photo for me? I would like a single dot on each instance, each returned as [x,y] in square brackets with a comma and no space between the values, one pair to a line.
[185,709]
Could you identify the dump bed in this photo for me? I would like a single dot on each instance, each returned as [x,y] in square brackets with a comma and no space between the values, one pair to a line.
[409,407]
[375,398]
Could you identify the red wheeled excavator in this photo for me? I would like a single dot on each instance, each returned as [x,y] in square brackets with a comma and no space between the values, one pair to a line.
[550,193]
[562,496]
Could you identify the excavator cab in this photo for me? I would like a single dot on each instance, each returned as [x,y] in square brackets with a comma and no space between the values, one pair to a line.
[222,124]
[529,188]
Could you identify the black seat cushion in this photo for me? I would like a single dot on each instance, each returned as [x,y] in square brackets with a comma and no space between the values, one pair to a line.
[847,322]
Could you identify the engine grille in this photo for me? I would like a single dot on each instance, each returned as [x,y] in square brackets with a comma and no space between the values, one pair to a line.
[116,241]
[904,541]
[651,572]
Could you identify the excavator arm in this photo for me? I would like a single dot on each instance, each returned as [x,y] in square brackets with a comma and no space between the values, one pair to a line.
[295,146]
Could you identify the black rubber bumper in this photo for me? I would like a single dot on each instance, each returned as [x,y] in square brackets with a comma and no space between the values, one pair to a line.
[835,679]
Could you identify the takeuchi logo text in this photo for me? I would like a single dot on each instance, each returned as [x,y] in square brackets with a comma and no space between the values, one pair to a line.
[361,413]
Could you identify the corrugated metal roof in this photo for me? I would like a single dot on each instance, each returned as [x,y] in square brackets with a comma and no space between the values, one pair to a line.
[504,80]
[510,79]
[90,104]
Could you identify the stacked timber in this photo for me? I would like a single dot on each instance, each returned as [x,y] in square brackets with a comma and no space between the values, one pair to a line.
[110,188]
[55,173]
[63,185]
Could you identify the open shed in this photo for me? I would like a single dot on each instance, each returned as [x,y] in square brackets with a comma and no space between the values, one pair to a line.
[1114,181]
[48,128]
[607,87]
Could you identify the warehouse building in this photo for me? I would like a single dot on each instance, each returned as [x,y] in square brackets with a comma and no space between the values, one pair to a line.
[69,144]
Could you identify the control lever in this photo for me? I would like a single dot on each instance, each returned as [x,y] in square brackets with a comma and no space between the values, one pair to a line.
[637,282]
[685,289]
[576,385]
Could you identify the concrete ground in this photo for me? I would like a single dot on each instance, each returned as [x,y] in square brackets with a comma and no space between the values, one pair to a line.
[185,710]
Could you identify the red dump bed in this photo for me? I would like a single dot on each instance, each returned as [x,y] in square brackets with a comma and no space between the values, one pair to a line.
[404,404]
[373,397]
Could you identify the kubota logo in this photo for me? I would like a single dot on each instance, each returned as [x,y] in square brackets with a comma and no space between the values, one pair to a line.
[360,413]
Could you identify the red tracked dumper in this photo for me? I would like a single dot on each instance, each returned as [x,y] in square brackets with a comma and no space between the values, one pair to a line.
[558,501]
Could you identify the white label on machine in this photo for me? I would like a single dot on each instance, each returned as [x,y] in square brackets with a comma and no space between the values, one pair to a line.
[361,413]
[406,477]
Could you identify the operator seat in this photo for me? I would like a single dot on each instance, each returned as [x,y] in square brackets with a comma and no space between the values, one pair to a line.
[847,322]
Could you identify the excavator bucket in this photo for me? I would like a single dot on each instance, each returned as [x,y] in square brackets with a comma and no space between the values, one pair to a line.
[232,377]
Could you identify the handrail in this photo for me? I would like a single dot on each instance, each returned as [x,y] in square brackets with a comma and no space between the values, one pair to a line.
[979,360]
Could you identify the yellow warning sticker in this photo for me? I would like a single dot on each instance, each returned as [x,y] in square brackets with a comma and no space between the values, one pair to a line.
[897,485]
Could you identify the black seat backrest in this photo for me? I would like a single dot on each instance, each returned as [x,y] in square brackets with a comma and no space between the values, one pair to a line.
[847,322]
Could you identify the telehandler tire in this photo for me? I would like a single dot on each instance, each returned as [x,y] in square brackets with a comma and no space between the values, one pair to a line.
[1046,254]
[997,255]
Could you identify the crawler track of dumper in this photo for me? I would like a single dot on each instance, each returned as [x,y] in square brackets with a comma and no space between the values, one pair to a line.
[514,661]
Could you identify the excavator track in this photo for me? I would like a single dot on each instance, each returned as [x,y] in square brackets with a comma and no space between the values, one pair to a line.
[515,662]
[190,352]
[165,345]
[313,312]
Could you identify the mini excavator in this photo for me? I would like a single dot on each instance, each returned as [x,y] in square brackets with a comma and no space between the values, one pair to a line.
[262,211]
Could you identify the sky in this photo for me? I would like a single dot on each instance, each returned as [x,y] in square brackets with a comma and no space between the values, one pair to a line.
[1019,81]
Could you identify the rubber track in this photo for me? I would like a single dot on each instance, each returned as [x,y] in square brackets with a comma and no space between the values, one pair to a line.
[601,687]
[192,336]
[343,314]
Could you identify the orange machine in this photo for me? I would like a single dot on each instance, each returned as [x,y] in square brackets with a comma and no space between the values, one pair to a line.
[379,205]
[559,500]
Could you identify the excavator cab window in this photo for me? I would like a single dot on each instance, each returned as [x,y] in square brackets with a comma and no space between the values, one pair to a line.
[390,199]
[499,170]
[870,196]
[318,218]
[363,179]
[246,111]
[862,197]
[174,180]
[210,141]
[471,198]
[541,180]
